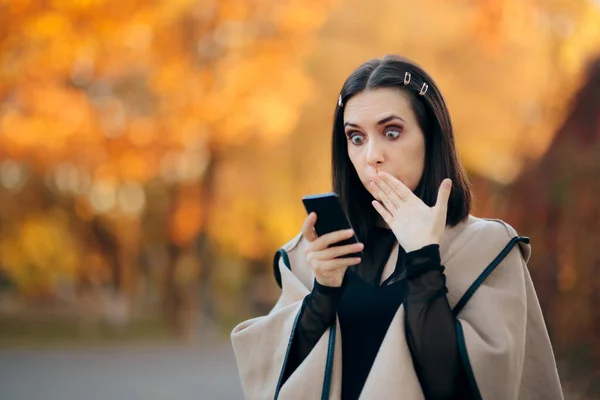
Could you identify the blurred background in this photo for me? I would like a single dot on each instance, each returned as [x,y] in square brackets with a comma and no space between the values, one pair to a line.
[153,155]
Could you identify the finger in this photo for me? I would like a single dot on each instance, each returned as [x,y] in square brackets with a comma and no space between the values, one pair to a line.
[337,263]
[385,214]
[330,238]
[443,196]
[385,184]
[399,187]
[338,251]
[384,197]
[394,198]
[308,229]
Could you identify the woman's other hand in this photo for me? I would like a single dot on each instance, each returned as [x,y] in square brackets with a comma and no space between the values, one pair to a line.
[328,269]
[413,222]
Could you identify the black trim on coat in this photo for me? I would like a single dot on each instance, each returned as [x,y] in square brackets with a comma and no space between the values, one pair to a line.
[460,335]
[329,362]
[287,352]
[281,253]
[464,358]
[486,272]
[455,311]
[286,260]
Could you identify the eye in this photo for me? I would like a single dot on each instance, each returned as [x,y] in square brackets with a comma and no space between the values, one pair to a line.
[356,138]
[392,133]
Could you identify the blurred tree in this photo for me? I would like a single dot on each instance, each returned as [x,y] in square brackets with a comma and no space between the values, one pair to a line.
[557,202]
[507,86]
[506,83]
[103,98]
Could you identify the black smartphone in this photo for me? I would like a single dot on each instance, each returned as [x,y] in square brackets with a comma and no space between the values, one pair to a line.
[330,217]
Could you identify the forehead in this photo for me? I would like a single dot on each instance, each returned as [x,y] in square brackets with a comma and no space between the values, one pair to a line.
[370,106]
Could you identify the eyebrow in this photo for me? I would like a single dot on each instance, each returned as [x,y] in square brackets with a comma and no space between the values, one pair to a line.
[383,121]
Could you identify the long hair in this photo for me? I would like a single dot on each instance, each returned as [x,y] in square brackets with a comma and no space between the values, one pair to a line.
[441,158]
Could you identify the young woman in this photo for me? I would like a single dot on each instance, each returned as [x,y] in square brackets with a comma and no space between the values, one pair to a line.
[439,306]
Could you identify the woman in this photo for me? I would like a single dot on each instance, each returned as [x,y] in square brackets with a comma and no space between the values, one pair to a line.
[439,306]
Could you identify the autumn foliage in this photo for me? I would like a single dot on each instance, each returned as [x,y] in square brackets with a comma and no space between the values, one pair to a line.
[156,151]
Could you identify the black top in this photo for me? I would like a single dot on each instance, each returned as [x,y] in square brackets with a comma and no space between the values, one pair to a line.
[365,310]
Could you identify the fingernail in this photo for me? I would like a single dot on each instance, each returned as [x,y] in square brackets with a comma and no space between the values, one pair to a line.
[448,184]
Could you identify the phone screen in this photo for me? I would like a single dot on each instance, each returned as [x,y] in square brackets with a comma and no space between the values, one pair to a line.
[330,216]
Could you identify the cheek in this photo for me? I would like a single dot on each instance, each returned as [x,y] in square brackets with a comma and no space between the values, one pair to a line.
[420,158]
[417,166]
[358,161]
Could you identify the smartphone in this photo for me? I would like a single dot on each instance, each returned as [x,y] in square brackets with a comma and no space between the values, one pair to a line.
[330,217]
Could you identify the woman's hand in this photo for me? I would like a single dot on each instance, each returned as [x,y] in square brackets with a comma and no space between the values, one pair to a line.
[413,222]
[328,270]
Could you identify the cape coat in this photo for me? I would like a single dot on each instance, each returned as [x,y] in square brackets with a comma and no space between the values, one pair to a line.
[503,341]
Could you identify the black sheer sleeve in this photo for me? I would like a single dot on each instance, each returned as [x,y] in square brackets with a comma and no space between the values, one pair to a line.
[430,329]
[317,314]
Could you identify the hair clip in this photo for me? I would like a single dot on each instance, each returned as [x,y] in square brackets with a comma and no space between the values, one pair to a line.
[340,101]
[406,78]
[424,89]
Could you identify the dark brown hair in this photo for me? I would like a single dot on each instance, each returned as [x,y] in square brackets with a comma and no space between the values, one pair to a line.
[441,158]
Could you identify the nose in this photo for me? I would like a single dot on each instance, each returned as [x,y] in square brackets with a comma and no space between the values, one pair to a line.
[374,154]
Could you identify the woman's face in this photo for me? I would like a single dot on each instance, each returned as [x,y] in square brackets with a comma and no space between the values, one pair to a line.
[383,135]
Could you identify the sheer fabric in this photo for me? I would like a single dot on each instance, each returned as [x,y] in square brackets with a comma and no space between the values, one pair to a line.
[366,308]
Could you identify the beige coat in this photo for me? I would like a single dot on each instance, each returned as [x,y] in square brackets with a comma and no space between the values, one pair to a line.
[506,344]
